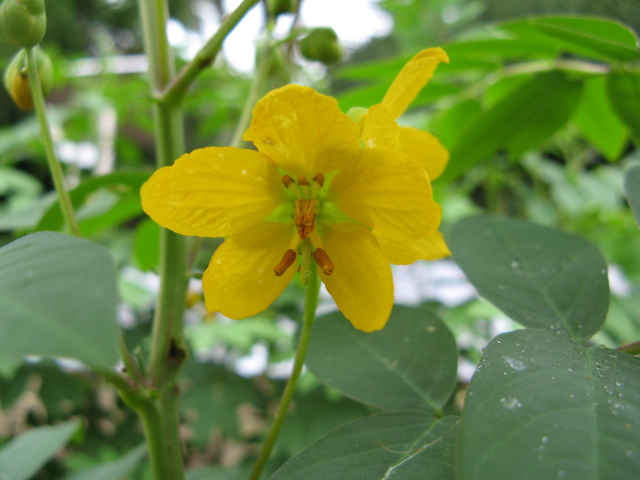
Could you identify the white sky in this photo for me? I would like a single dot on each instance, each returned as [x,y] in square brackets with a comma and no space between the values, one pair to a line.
[355,22]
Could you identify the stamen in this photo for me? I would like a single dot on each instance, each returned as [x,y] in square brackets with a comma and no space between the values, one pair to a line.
[302,181]
[319,179]
[305,216]
[287,181]
[287,260]
[323,261]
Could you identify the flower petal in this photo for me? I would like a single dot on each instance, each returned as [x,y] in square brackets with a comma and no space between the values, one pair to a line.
[304,132]
[379,129]
[426,149]
[213,192]
[387,191]
[240,281]
[405,252]
[361,283]
[411,79]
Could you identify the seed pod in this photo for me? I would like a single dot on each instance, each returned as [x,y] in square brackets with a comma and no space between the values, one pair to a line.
[16,78]
[22,22]
[322,45]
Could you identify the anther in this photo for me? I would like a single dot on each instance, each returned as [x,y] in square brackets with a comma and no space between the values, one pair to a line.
[287,181]
[323,261]
[302,181]
[287,260]
[319,179]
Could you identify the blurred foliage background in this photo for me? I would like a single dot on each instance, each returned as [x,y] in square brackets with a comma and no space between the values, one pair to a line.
[536,125]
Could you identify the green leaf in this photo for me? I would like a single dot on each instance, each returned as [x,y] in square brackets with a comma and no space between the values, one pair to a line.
[538,276]
[398,445]
[624,95]
[519,121]
[583,36]
[541,406]
[410,364]
[609,39]
[114,470]
[25,455]
[146,248]
[598,122]
[632,190]
[58,297]
[124,188]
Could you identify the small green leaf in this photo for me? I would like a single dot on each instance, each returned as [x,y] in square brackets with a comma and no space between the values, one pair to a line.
[541,406]
[540,277]
[410,364]
[25,455]
[398,445]
[632,189]
[624,95]
[598,122]
[58,297]
[519,121]
[146,248]
[114,470]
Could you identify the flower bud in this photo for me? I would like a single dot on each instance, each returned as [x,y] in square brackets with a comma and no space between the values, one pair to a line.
[278,7]
[16,78]
[322,45]
[22,22]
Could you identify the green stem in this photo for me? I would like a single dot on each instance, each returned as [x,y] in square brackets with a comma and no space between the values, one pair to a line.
[176,89]
[310,305]
[54,166]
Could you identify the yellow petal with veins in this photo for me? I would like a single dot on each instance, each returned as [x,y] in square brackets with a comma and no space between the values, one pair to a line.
[240,280]
[213,192]
[361,283]
[405,252]
[426,149]
[379,129]
[411,79]
[304,132]
[389,192]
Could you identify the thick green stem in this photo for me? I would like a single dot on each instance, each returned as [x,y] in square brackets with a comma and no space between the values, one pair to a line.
[54,166]
[310,305]
[176,89]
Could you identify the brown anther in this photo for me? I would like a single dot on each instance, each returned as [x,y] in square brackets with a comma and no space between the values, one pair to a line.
[287,181]
[287,260]
[323,261]
[302,181]
[319,179]
[305,217]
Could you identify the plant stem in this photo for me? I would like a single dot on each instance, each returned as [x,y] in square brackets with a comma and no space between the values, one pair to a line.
[310,305]
[176,89]
[630,348]
[54,166]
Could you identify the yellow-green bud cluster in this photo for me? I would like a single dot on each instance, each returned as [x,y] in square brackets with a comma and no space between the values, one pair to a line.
[322,45]
[22,22]
[16,78]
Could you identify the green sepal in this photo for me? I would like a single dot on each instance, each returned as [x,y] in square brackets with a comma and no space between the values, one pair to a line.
[23,23]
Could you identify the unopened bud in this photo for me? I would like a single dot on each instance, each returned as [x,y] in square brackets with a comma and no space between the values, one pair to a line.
[23,22]
[322,45]
[16,78]
[278,7]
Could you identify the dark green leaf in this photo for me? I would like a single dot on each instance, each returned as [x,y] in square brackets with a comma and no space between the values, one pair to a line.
[124,188]
[398,445]
[410,364]
[58,298]
[539,276]
[146,246]
[541,406]
[598,122]
[24,456]
[114,470]
[624,95]
[521,120]
[632,189]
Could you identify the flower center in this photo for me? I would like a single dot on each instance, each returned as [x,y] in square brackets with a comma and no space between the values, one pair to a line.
[307,207]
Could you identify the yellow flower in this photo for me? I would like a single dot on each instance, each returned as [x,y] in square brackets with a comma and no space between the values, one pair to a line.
[378,129]
[309,189]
